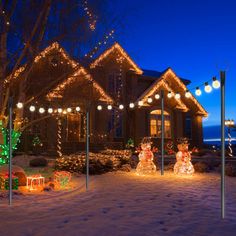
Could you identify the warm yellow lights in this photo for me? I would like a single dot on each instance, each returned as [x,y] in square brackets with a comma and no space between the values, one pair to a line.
[149,100]
[121,107]
[177,96]
[198,92]
[169,95]
[32,108]
[140,103]
[215,83]
[50,110]
[187,94]
[41,110]
[109,107]
[157,96]
[19,105]
[59,110]
[131,105]
[77,109]
[99,107]
[207,88]
[69,109]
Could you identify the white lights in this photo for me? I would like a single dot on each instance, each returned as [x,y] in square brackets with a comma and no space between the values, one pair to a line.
[19,105]
[41,110]
[109,107]
[187,94]
[140,103]
[131,105]
[59,110]
[149,100]
[169,95]
[69,109]
[32,108]
[198,92]
[99,107]
[50,110]
[157,96]
[229,123]
[215,83]
[77,108]
[207,88]
[177,96]
[121,107]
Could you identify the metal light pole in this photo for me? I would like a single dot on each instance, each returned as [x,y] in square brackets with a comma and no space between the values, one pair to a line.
[222,81]
[87,148]
[10,150]
[230,124]
[162,132]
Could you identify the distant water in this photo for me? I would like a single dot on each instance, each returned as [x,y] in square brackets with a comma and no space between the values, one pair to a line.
[212,135]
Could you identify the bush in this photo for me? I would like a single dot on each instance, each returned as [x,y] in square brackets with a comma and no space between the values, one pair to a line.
[38,162]
[201,167]
[230,170]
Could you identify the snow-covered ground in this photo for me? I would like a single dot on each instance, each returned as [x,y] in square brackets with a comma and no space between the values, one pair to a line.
[122,203]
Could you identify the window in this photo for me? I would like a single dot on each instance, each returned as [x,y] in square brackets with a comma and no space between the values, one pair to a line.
[114,83]
[188,126]
[115,124]
[155,124]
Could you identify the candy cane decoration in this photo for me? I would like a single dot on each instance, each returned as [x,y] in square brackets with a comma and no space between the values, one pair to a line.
[59,138]
[230,145]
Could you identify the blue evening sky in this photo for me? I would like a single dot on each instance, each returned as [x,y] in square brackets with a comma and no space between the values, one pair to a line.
[196,38]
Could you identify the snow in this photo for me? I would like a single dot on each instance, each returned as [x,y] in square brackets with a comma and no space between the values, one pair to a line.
[121,203]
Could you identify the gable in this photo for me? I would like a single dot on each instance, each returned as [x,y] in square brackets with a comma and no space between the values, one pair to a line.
[116,48]
[170,82]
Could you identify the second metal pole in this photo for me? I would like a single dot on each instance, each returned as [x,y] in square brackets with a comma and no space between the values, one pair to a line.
[162,132]
[222,81]
[87,149]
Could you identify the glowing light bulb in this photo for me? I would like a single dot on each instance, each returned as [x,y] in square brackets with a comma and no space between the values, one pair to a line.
[198,92]
[19,105]
[109,107]
[69,109]
[50,110]
[32,108]
[59,110]
[215,83]
[77,108]
[169,95]
[99,107]
[149,100]
[207,88]
[187,94]
[157,96]
[131,105]
[41,110]
[121,107]
[177,96]
[140,103]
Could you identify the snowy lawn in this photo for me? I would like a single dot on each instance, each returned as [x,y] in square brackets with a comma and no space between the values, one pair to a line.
[122,203]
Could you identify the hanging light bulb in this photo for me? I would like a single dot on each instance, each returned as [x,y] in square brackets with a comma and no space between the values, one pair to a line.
[109,107]
[99,107]
[32,108]
[207,88]
[50,110]
[177,96]
[41,110]
[215,83]
[69,109]
[169,95]
[77,108]
[157,96]
[64,112]
[59,110]
[149,100]
[140,103]
[121,107]
[187,94]
[19,105]
[131,105]
[198,92]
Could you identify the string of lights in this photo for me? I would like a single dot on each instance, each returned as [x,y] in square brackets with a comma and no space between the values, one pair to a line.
[92,19]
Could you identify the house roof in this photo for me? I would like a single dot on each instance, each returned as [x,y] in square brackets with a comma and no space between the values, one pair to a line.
[116,46]
[162,81]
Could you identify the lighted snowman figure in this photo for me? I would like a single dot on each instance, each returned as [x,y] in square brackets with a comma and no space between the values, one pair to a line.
[146,165]
[183,163]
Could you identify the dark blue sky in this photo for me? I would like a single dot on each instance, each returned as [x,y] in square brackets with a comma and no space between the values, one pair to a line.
[195,38]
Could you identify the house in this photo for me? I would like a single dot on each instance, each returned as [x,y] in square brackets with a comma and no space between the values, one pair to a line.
[115,80]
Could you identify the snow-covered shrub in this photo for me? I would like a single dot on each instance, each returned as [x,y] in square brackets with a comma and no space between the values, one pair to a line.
[201,167]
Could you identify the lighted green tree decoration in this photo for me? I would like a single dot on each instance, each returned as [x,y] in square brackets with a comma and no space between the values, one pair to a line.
[130,143]
[4,147]
[37,142]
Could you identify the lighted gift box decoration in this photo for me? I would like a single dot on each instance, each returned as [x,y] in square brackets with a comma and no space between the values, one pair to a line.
[183,163]
[4,182]
[146,165]
[35,181]
[62,179]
